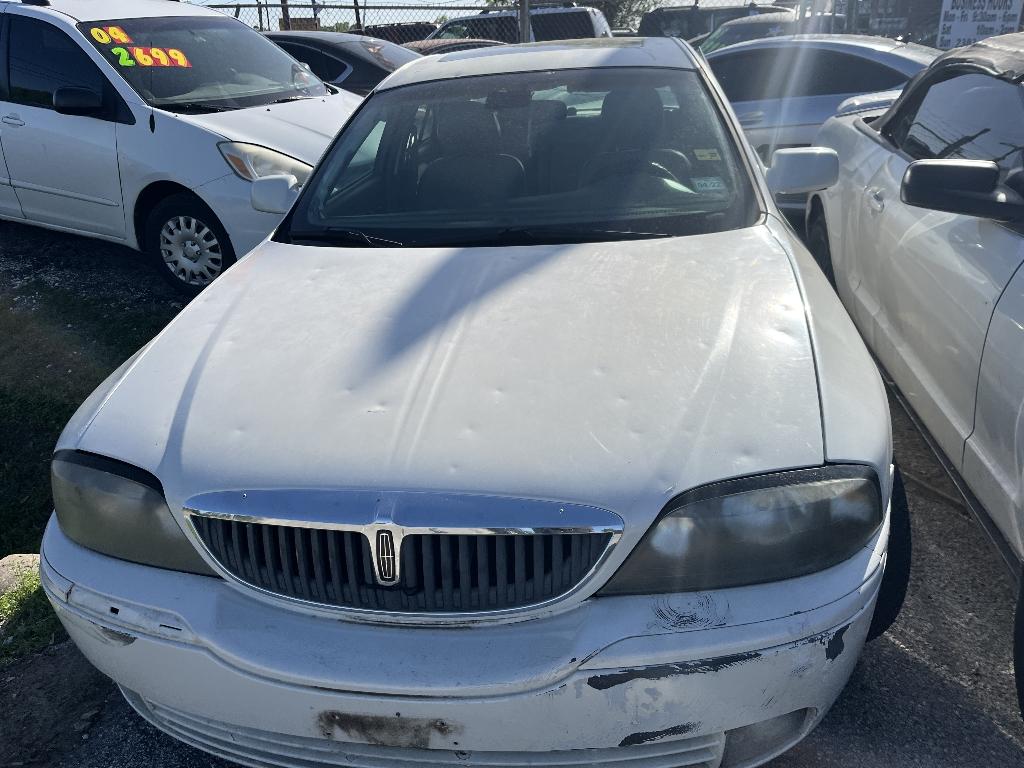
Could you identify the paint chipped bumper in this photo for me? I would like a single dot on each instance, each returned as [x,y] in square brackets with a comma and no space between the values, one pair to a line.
[727,678]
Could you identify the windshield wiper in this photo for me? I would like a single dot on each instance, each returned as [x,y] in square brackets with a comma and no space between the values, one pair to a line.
[506,236]
[337,236]
[546,236]
[286,99]
[192,106]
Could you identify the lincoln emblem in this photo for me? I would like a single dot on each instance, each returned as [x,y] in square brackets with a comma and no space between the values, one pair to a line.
[387,558]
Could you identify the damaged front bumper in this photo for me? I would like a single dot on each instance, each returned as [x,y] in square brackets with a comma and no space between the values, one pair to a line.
[719,679]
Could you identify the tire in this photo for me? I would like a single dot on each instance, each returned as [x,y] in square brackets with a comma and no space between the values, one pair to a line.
[1018,648]
[817,243]
[893,590]
[187,243]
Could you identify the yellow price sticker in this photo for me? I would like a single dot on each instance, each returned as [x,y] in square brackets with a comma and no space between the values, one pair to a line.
[108,35]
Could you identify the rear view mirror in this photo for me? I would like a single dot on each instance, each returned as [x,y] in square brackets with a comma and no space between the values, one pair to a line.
[274,194]
[802,169]
[967,187]
[72,100]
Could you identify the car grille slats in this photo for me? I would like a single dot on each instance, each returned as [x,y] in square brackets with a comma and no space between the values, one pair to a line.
[440,572]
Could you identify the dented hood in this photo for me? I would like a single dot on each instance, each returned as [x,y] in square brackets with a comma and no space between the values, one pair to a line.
[613,374]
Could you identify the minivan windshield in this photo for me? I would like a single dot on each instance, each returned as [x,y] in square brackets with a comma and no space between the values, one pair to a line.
[200,63]
[532,157]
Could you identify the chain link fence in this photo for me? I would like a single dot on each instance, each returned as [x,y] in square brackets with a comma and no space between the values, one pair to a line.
[931,22]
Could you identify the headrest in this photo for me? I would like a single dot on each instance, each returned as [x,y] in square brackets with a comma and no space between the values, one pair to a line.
[548,111]
[467,127]
[634,106]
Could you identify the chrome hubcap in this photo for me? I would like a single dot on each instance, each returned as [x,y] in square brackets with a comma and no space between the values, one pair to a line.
[191,250]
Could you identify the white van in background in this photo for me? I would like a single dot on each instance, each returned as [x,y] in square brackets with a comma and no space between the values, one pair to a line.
[144,122]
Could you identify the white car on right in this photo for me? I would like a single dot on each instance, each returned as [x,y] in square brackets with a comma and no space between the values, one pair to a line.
[923,238]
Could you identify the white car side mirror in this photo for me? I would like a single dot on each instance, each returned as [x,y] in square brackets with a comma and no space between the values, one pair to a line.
[274,194]
[802,169]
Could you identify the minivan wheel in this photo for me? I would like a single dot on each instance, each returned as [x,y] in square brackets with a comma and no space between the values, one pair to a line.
[817,243]
[187,243]
[897,562]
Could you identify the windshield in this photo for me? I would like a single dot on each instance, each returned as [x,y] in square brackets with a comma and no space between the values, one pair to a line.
[562,156]
[200,63]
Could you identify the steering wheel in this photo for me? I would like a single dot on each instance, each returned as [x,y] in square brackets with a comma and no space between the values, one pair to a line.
[661,163]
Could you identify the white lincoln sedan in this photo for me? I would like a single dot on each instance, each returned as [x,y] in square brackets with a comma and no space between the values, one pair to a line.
[533,436]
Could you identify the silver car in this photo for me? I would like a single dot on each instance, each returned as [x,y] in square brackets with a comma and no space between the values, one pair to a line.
[784,88]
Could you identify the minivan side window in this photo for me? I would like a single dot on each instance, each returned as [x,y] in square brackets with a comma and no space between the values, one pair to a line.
[44,58]
[970,117]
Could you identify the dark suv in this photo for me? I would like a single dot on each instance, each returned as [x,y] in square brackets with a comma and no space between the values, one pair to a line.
[690,21]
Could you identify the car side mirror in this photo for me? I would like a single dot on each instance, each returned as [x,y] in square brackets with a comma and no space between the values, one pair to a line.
[966,187]
[72,100]
[802,169]
[274,194]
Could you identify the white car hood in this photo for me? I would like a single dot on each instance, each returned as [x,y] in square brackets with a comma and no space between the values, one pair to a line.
[612,374]
[300,129]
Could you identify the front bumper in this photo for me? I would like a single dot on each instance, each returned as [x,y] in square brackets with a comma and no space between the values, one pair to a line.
[231,199]
[688,680]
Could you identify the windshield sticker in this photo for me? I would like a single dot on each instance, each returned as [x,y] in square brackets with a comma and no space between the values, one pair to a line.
[150,57]
[108,35]
[707,154]
[709,184]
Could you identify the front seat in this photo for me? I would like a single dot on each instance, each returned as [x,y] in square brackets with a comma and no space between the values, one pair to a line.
[471,171]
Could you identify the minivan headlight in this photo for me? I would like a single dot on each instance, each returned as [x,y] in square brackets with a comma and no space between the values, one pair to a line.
[119,510]
[755,530]
[251,162]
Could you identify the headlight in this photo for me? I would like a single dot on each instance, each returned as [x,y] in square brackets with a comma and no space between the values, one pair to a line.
[252,162]
[754,530]
[119,510]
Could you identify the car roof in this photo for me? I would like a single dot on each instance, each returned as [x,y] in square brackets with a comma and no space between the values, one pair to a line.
[590,53]
[1002,56]
[762,18]
[866,43]
[334,38]
[533,11]
[91,10]
[726,6]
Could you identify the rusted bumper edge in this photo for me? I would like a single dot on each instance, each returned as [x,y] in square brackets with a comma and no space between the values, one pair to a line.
[679,669]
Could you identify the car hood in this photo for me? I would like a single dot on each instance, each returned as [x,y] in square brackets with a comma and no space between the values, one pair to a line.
[300,129]
[612,374]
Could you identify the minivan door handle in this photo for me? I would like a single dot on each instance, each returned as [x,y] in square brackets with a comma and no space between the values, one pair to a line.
[12,120]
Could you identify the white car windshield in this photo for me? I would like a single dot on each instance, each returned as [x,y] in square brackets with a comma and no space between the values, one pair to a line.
[200,63]
[557,156]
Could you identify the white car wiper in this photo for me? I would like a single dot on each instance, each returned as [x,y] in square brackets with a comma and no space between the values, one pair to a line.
[286,99]
[192,106]
[545,236]
[338,236]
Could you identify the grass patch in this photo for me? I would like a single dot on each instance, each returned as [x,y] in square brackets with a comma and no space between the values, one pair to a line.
[27,622]
[55,351]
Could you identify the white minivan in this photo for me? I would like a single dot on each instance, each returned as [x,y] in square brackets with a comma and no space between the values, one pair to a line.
[144,122]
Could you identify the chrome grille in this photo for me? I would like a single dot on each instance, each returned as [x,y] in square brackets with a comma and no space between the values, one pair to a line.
[439,573]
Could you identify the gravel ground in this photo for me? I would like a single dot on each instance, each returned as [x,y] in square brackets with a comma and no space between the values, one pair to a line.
[936,691]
